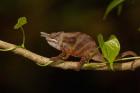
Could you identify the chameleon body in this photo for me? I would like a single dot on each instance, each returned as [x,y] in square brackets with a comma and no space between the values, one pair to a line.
[75,44]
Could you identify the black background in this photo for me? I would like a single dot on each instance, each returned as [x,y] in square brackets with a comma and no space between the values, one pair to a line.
[21,75]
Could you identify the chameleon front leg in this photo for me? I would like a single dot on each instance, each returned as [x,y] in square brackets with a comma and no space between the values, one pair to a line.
[62,56]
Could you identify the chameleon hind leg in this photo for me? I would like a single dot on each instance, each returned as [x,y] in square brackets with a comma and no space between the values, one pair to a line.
[83,60]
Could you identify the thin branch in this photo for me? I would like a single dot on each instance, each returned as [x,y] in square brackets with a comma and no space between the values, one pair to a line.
[131,65]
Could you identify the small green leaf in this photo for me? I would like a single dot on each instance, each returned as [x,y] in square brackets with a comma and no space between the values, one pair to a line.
[111,6]
[100,40]
[9,49]
[111,49]
[21,21]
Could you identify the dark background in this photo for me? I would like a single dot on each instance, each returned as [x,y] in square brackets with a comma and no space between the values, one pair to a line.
[21,75]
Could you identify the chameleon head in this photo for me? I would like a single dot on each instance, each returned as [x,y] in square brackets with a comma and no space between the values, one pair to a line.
[53,39]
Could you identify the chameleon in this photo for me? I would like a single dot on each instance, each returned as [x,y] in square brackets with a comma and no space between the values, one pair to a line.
[76,44]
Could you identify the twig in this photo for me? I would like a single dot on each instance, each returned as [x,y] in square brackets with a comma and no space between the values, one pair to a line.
[131,65]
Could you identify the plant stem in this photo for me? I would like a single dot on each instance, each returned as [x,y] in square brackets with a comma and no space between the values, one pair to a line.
[111,66]
[129,58]
[23,42]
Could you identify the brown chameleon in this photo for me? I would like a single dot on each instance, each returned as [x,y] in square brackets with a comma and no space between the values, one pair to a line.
[76,44]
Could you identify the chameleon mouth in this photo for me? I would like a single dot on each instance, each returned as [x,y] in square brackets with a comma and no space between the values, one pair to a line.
[51,40]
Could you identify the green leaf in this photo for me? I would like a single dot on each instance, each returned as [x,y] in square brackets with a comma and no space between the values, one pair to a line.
[21,21]
[111,6]
[110,49]
[9,49]
[100,40]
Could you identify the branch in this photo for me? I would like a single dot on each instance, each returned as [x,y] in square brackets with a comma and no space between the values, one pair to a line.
[131,65]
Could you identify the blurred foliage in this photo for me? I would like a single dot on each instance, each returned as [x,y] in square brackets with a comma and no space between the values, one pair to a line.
[112,5]
[110,48]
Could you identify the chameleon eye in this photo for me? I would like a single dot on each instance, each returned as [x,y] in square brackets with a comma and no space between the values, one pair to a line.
[54,35]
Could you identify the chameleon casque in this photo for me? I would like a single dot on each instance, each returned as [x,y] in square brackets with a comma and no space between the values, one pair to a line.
[76,44]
